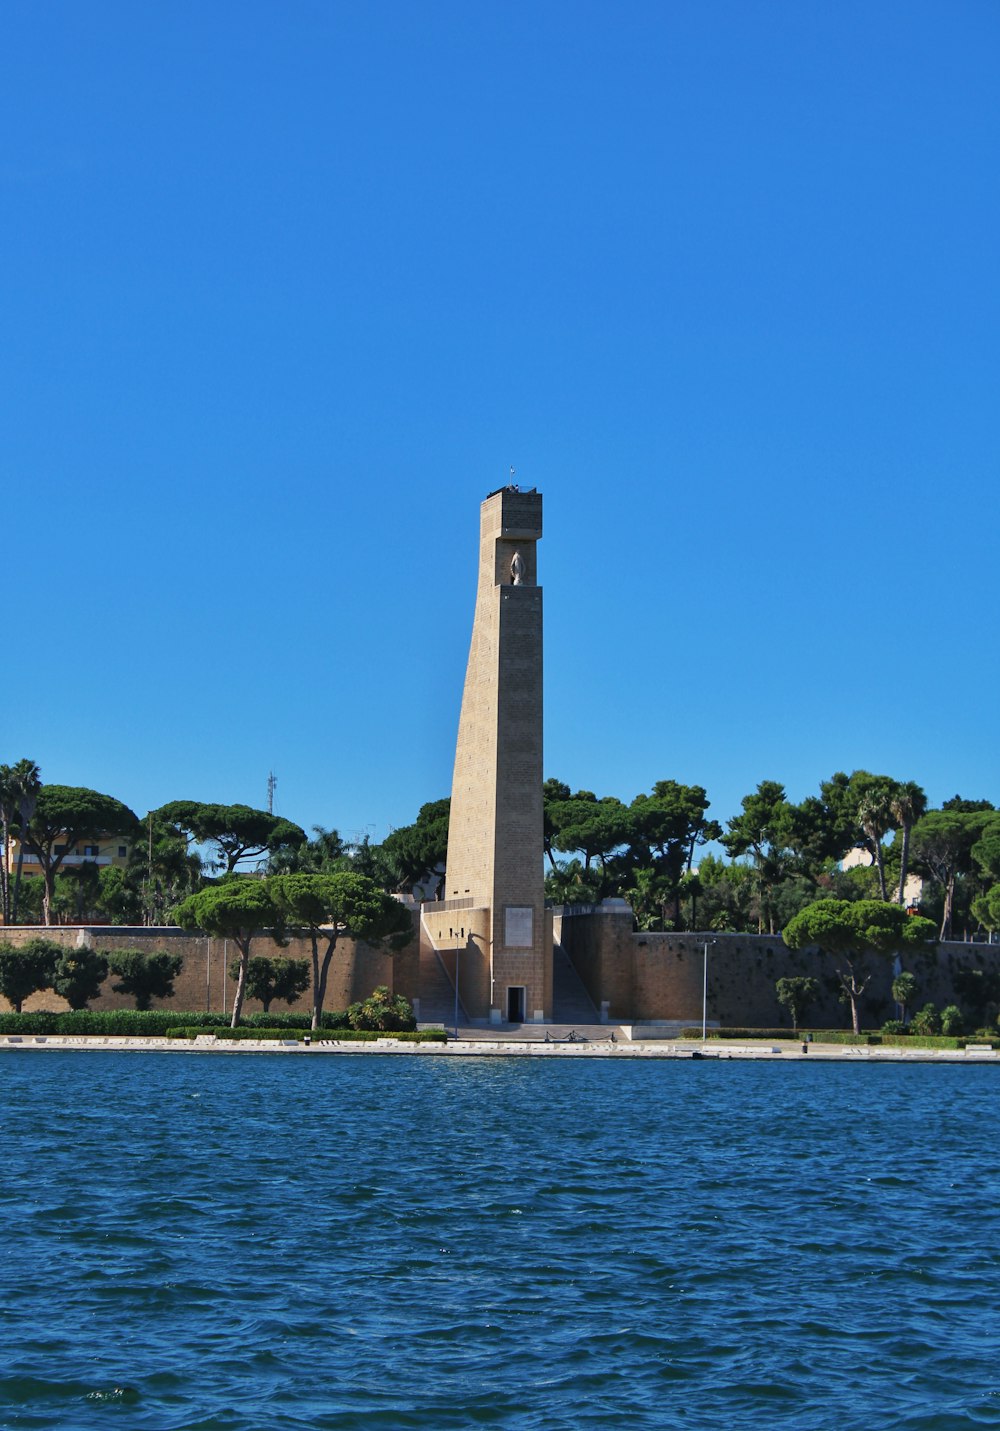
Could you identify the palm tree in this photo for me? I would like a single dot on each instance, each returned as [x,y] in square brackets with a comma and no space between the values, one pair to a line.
[908,803]
[571,883]
[875,817]
[904,986]
[321,855]
[8,810]
[648,897]
[23,782]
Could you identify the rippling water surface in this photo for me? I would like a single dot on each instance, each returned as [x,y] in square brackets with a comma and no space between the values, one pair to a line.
[260,1241]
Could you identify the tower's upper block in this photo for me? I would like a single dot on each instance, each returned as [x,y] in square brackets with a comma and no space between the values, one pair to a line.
[514,514]
[513,521]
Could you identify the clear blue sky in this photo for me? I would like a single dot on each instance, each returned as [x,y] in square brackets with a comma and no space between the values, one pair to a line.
[287,289]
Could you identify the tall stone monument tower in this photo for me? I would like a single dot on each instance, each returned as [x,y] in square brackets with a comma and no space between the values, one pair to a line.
[492,922]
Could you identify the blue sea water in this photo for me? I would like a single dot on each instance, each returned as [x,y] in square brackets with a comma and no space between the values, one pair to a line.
[261,1241]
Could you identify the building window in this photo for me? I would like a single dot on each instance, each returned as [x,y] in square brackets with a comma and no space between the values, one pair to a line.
[60,849]
[122,851]
[91,851]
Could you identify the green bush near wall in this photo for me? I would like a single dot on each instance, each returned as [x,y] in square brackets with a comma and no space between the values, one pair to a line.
[151,1023]
[769,1034]
[870,1040]
[124,1022]
[324,1035]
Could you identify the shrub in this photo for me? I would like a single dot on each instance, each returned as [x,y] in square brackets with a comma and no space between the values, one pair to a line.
[333,1020]
[270,979]
[904,986]
[796,995]
[229,1035]
[909,1040]
[151,1022]
[952,1020]
[894,1026]
[145,976]
[26,968]
[742,1033]
[926,1021]
[79,974]
[382,1011]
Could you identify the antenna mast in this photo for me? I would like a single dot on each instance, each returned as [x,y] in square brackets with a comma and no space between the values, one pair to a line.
[271,783]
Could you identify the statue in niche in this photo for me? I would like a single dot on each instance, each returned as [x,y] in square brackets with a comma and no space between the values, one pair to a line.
[517,570]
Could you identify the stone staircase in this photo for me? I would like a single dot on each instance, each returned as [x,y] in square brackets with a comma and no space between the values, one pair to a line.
[571,1004]
[437,993]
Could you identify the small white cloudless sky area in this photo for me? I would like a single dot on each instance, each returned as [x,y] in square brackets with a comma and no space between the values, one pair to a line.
[288,288]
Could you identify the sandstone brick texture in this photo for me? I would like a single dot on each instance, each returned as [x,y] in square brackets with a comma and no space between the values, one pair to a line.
[495,836]
[204,983]
[659,976]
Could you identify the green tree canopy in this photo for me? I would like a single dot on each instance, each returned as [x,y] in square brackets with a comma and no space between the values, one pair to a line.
[986,850]
[851,929]
[273,979]
[118,898]
[553,793]
[322,854]
[79,974]
[909,803]
[851,810]
[987,908]
[825,824]
[26,968]
[642,850]
[238,832]
[77,894]
[672,823]
[568,882]
[904,988]
[942,844]
[238,908]
[417,854]
[144,977]
[876,795]
[327,908]
[64,816]
[24,783]
[19,786]
[591,827]
[764,829]
[796,994]
[161,871]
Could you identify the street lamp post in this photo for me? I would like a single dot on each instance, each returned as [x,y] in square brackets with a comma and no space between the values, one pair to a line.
[704,992]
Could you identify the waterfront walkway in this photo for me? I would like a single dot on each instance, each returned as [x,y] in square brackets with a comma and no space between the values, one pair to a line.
[593,1042]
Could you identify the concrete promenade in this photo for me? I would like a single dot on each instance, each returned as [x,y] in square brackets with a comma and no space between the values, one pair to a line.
[510,1046]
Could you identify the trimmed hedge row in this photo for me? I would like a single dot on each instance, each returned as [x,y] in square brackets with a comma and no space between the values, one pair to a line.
[150,1023]
[323,1036]
[871,1040]
[740,1033]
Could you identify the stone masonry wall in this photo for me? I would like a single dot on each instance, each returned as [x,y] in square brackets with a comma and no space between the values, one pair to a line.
[659,976]
[203,983]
